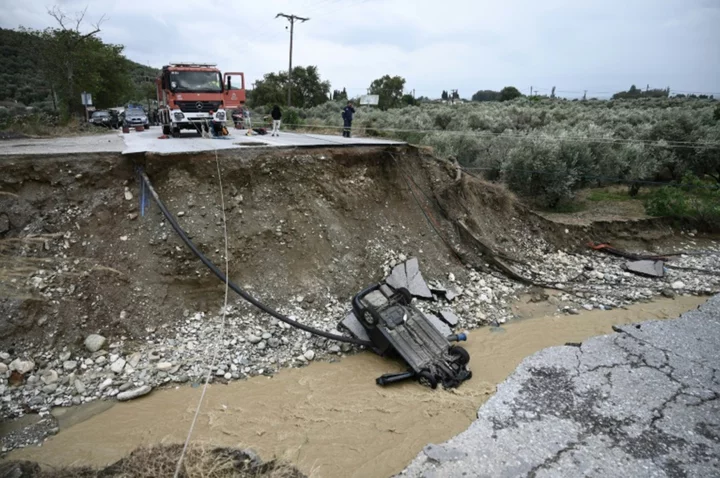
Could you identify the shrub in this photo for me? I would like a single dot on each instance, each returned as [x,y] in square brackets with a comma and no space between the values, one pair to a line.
[693,200]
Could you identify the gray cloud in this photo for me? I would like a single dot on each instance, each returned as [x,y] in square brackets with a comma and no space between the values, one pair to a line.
[469,45]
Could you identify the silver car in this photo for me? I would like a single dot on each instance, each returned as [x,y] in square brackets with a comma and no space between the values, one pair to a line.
[136,117]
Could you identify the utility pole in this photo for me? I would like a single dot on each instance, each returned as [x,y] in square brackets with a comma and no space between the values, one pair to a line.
[291,19]
[531,91]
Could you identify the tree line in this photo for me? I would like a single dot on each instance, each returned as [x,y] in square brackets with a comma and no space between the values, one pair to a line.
[49,69]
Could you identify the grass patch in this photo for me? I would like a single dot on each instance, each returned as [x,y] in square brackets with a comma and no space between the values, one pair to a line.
[161,460]
[614,194]
[567,207]
[693,200]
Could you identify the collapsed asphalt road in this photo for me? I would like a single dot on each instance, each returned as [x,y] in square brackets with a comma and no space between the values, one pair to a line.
[641,402]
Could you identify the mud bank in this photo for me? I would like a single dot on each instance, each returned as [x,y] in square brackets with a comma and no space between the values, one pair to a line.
[330,419]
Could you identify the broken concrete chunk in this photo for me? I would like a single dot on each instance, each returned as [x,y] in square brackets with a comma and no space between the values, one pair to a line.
[353,325]
[646,268]
[449,317]
[439,324]
[452,292]
[407,275]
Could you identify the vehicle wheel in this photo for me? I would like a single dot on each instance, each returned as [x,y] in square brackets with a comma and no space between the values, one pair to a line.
[406,295]
[461,353]
[427,378]
[166,130]
[175,132]
[371,317]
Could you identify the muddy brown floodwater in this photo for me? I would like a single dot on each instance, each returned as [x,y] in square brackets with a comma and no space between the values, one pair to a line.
[330,419]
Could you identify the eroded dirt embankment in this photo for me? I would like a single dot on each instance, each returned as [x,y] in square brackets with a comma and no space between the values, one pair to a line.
[76,258]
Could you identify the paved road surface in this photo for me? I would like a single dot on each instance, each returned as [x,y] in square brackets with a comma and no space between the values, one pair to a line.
[148,141]
[643,402]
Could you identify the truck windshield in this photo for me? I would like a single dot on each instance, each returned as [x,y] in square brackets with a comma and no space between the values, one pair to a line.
[199,81]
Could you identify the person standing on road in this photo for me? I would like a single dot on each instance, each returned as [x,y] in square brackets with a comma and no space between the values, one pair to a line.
[277,118]
[246,117]
[347,116]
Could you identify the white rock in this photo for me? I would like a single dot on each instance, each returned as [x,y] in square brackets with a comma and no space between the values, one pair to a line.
[678,285]
[118,365]
[80,387]
[4,356]
[3,368]
[100,360]
[128,194]
[105,384]
[22,366]
[94,342]
[451,277]
[164,366]
[309,355]
[253,339]
[49,376]
[134,359]
[135,393]
[70,365]
[228,376]
[588,307]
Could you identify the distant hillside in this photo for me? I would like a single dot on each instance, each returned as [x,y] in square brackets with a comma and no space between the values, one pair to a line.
[21,81]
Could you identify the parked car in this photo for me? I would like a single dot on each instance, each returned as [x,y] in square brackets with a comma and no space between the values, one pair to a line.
[135,117]
[109,119]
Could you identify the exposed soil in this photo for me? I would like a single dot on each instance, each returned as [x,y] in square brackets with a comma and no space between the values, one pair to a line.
[76,258]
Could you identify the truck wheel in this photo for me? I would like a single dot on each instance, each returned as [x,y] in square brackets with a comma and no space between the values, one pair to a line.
[428,378]
[176,132]
[462,354]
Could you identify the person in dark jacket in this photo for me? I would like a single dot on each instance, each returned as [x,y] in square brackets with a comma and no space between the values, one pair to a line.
[347,116]
[277,119]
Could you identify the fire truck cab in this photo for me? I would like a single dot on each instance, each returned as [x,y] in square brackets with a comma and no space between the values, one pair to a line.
[191,95]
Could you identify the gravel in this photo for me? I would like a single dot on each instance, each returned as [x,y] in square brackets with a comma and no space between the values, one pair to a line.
[254,344]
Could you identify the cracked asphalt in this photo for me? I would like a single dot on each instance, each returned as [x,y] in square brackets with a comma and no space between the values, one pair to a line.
[642,402]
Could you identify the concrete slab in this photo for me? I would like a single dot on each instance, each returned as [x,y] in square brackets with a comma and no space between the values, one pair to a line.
[449,317]
[354,327]
[100,143]
[646,268]
[643,402]
[407,275]
[150,142]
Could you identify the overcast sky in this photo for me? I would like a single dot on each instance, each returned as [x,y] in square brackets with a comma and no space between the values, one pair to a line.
[595,45]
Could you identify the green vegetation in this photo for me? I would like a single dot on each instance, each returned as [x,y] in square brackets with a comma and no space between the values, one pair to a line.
[47,70]
[546,149]
[604,195]
[390,89]
[693,200]
[307,89]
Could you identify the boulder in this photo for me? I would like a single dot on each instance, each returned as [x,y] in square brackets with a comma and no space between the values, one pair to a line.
[94,342]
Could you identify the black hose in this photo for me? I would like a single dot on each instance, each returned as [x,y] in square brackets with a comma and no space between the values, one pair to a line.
[233,286]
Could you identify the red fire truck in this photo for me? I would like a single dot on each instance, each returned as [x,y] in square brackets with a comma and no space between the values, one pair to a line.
[191,95]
